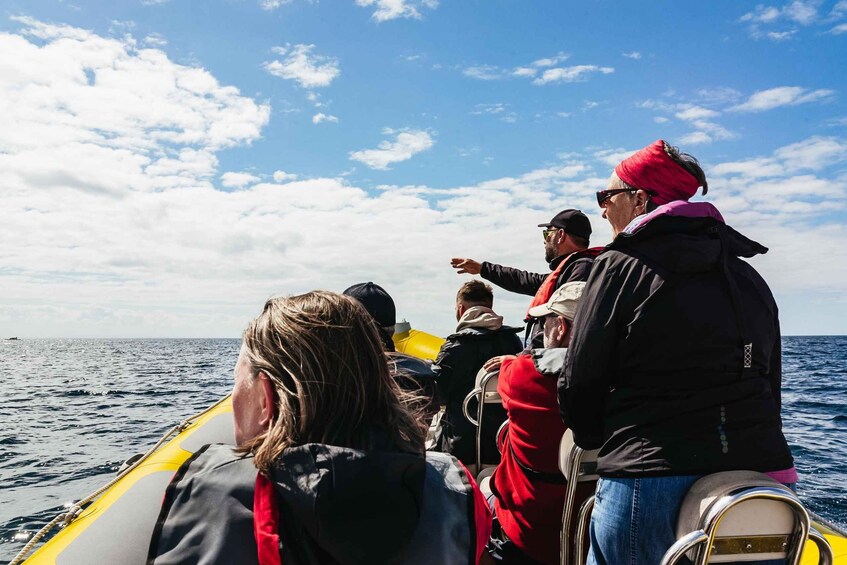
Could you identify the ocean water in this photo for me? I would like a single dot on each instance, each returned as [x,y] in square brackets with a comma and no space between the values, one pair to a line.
[71,411]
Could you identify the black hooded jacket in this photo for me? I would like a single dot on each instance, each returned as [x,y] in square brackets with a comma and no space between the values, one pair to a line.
[456,366]
[336,506]
[675,364]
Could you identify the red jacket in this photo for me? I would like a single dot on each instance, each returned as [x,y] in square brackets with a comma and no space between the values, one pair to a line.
[529,501]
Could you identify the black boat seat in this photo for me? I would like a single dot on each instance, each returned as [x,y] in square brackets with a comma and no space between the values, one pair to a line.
[580,469]
[742,516]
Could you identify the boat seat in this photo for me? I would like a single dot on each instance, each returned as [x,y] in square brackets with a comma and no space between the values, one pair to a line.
[485,393]
[580,469]
[739,517]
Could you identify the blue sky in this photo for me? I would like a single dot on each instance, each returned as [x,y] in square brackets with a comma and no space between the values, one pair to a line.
[165,166]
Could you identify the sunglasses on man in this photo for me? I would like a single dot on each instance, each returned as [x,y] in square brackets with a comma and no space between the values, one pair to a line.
[546,233]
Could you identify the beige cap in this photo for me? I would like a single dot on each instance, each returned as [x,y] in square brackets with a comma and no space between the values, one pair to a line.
[563,302]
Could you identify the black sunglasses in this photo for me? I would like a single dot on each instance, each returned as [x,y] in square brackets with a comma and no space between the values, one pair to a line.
[603,195]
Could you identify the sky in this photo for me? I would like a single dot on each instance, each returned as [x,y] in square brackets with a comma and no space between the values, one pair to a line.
[166,166]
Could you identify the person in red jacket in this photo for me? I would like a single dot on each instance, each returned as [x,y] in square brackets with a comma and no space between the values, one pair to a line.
[528,487]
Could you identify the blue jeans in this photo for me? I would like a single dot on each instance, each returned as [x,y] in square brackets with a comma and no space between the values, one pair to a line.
[634,520]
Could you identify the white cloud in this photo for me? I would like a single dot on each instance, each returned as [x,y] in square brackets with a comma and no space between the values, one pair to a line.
[496,108]
[484,72]
[611,157]
[320,118]
[575,73]
[762,14]
[839,10]
[782,96]
[524,72]
[695,138]
[546,66]
[238,180]
[717,95]
[406,145]
[155,40]
[812,154]
[551,61]
[781,35]
[660,120]
[769,22]
[282,176]
[690,112]
[798,11]
[839,29]
[632,55]
[299,64]
[271,5]
[393,9]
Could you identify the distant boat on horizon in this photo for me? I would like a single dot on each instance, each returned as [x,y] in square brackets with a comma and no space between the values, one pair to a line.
[11,339]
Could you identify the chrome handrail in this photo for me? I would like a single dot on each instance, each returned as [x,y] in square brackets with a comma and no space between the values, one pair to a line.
[703,539]
[825,554]
[483,385]
[574,460]
[683,545]
[471,395]
[582,522]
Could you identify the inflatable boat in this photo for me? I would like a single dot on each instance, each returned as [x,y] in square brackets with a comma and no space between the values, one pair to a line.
[114,525]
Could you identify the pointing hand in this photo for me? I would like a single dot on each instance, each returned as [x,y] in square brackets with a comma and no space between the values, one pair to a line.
[468,266]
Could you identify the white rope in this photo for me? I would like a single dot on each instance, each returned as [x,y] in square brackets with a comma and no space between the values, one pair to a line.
[65,518]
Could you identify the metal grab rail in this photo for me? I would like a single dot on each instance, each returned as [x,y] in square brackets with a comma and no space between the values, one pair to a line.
[578,466]
[471,395]
[825,553]
[582,524]
[703,540]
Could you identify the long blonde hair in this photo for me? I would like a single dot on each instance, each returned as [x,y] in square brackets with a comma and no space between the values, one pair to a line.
[322,353]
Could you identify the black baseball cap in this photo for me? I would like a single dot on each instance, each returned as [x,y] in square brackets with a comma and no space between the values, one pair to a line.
[572,221]
[376,301]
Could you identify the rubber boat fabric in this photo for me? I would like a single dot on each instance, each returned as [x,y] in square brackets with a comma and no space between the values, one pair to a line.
[330,504]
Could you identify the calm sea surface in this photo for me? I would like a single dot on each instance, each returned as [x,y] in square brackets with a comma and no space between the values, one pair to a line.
[71,411]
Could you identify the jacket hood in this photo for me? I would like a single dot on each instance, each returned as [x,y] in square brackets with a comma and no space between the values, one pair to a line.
[685,237]
[349,505]
[480,317]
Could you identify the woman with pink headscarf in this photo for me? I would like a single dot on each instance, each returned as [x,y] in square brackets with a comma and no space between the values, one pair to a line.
[674,370]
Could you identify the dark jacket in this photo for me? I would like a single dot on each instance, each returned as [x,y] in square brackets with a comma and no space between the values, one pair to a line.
[333,506]
[675,363]
[478,339]
[525,282]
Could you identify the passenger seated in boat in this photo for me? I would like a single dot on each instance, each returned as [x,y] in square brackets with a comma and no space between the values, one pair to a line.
[413,374]
[480,335]
[675,368]
[528,488]
[332,468]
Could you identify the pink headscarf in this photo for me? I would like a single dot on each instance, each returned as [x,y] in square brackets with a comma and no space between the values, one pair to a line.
[652,169]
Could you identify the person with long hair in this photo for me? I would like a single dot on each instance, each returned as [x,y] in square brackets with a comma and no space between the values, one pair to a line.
[330,465]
